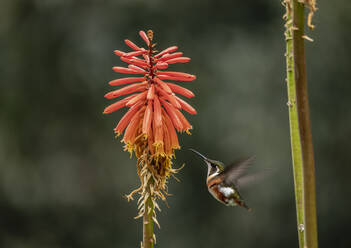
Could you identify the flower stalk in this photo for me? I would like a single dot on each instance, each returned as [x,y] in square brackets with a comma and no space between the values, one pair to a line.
[294,126]
[300,127]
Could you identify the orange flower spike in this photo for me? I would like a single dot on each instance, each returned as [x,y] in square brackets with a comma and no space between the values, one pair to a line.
[146,129]
[151,92]
[138,98]
[158,94]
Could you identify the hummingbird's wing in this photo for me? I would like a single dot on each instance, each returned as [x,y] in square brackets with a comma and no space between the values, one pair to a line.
[254,178]
[234,172]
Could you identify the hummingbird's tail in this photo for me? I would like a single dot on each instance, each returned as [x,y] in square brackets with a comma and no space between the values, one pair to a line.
[248,208]
[243,204]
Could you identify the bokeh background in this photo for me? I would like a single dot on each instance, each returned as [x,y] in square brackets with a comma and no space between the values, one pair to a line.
[62,173]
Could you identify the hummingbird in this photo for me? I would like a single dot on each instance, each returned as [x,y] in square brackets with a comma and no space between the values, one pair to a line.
[223,182]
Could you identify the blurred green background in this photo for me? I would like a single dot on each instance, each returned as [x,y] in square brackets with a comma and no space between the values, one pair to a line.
[62,173]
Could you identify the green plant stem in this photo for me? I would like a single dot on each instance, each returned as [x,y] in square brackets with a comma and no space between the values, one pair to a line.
[148,232]
[294,126]
[309,190]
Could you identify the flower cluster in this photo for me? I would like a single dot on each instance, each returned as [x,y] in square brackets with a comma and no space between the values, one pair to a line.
[154,108]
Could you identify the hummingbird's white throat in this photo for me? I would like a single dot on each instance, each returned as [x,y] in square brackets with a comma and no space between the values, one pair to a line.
[212,171]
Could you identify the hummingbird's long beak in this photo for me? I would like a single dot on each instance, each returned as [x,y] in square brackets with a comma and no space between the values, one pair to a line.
[202,156]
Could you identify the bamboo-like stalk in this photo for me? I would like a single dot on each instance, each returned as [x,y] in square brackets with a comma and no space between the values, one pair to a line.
[294,125]
[300,127]
[304,125]
[148,225]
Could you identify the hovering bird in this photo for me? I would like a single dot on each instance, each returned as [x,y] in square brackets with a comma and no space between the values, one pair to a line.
[222,182]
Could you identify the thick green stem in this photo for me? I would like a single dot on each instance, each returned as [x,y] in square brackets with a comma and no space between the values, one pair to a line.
[304,126]
[148,232]
[294,126]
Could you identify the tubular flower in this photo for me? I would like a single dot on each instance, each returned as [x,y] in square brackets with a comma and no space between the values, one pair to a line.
[150,125]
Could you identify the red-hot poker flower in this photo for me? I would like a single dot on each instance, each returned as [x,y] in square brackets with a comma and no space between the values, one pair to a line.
[154,109]
[154,116]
